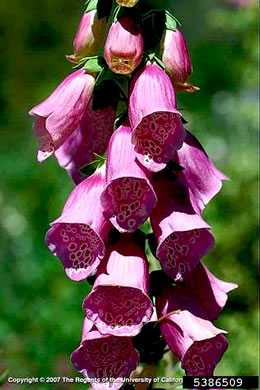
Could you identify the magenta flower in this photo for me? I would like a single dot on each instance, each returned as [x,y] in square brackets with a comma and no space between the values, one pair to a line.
[188,332]
[119,304]
[92,136]
[123,49]
[177,61]
[89,36]
[183,236]
[156,122]
[103,356]
[129,196]
[60,114]
[208,290]
[79,235]
[201,175]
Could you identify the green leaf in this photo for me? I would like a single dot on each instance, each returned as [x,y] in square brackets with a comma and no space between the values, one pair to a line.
[3,376]
[91,5]
[94,64]
[90,168]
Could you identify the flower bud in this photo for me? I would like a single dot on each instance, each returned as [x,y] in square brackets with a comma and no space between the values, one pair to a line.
[89,36]
[123,49]
[177,61]
[127,3]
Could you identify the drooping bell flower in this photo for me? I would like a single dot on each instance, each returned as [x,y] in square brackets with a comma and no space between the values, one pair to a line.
[103,357]
[127,3]
[89,36]
[92,136]
[60,114]
[201,175]
[209,291]
[118,303]
[79,235]
[156,122]
[188,332]
[183,236]
[175,56]
[129,196]
[123,49]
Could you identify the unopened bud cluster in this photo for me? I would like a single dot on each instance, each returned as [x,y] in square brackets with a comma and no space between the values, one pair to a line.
[153,168]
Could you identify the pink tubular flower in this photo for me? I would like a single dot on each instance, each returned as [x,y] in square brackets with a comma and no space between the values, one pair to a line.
[129,196]
[188,332]
[123,49]
[92,136]
[60,114]
[119,304]
[201,175]
[208,290]
[78,236]
[176,58]
[183,236]
[89,37]
[156,122]
[104,357]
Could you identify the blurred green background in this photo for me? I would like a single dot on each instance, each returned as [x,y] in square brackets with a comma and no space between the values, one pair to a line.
[41,314]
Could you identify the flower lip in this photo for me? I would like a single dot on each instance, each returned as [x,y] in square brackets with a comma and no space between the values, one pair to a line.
[122,311]
[78,246]
[104,356]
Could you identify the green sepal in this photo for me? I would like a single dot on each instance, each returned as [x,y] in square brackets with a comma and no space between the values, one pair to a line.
[94,64]
[170,21]
[152,57]
[90,168]
[91,5]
